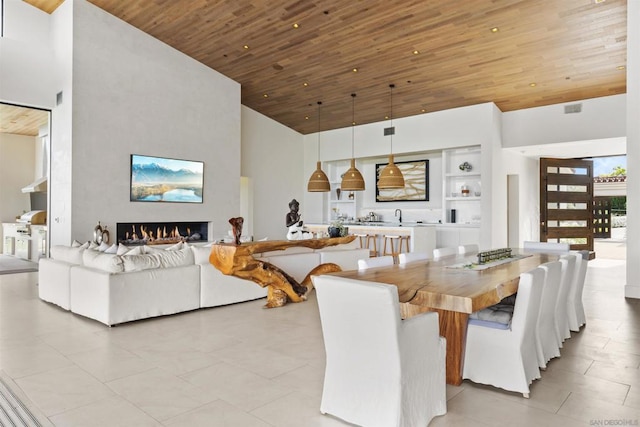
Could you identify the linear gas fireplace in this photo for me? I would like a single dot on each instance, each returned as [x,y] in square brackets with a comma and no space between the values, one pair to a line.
[160,233]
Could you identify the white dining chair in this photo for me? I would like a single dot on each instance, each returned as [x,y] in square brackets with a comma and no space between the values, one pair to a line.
[506,357]
[404,258]
[442,252]
[566,282]
[545,246]
[380,261]
[547,344]
[467,249]
[575,307]
[380,370]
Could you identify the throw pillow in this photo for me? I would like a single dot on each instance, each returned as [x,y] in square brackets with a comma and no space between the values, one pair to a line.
[69,254]
[140,262]
[179,258]
[103,247]
[175,247]
[111,263]
[113,249]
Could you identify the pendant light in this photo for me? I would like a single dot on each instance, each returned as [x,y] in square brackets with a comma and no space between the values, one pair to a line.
[318,182]
[391,176]
[352,179]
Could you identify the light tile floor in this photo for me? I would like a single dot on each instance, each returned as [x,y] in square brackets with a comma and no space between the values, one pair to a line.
[242,365]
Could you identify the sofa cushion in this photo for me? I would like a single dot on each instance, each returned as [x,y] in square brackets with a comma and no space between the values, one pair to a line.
[201,254]
[69,254]
[110,263]
[141,262]
[177,258]
[138,250]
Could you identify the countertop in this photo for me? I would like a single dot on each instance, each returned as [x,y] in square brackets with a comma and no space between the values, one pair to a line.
[397,224]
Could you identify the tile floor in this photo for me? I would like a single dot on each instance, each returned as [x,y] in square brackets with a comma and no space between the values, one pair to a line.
[245,366]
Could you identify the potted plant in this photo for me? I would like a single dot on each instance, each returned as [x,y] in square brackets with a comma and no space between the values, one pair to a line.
[337,228]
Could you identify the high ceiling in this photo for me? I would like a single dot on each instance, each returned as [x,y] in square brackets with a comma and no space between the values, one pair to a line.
[440,54]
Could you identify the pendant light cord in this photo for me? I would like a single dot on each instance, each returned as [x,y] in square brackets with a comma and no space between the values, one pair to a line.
[392,130]
[319,104]
[353,122]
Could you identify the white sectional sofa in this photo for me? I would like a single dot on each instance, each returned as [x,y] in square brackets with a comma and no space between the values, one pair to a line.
[113,288]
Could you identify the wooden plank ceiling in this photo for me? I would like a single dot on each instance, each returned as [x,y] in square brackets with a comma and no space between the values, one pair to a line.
[22,121]
[440,54]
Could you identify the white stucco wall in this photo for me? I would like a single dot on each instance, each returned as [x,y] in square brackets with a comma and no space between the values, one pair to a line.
[271,156]
[600,119]
[133,94]
[27,76]
[14,175]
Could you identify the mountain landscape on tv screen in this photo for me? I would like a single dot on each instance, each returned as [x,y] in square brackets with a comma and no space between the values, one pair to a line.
[156,183]
[155,173]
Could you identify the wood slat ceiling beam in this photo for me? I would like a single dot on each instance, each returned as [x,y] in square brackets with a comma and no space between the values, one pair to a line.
[571,50]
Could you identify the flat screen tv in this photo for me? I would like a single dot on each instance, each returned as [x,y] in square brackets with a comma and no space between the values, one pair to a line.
[158,179]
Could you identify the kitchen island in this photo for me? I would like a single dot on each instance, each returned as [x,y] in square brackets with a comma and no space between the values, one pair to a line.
[422,236]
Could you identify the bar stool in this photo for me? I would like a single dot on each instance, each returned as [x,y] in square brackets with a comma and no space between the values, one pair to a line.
[395,243]
[365,243]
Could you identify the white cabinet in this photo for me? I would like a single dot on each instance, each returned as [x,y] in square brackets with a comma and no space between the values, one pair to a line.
[461,185]
[341,203]
[451,236]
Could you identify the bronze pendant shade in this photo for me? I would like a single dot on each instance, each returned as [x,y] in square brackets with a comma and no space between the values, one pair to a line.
[318,182]
[391,176]
[352,179]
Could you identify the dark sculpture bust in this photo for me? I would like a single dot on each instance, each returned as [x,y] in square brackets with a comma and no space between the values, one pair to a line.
[237,223]
[293,216]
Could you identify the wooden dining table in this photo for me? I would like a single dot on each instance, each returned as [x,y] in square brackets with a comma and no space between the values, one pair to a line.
[453,291]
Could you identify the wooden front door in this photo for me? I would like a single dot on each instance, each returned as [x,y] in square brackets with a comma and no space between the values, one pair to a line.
[566,202]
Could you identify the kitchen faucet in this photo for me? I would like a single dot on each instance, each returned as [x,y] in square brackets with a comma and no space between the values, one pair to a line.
[398,213]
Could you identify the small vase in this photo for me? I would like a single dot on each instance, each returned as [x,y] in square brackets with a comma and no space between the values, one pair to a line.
[334,231]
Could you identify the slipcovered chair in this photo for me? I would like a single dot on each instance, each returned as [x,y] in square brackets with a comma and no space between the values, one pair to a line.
[381,261]
[575,308]
[404,258]
[380,370]
[506,358]
[546,247]
[547,344]
[440,252]
[566,282]
[467,249]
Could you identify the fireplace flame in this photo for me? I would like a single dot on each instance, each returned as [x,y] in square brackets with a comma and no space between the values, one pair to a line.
[157,234]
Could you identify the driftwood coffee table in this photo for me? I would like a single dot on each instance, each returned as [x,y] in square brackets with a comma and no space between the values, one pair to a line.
[237,260]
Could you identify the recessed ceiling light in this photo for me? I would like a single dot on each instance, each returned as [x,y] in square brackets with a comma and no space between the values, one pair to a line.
[355,70]
[305,84]
[265,96]
[621,67]
[386,117]
[306,117]
[495,29]
[423,110]
[532,84]
[598,1]
[296,25]
[415,52]
[246,46]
